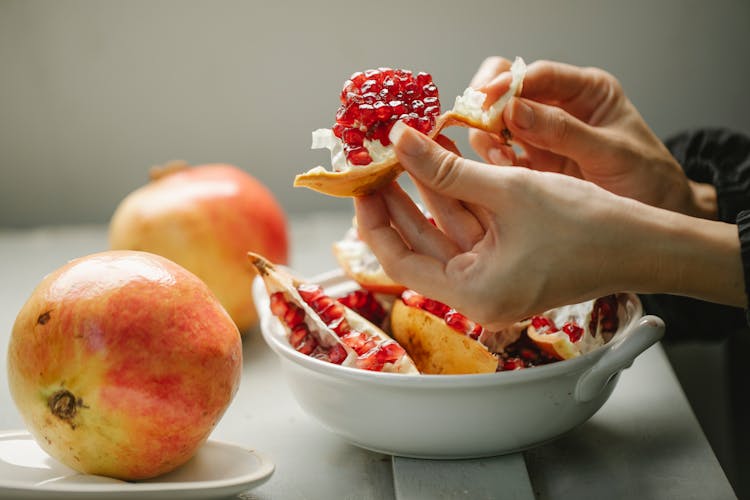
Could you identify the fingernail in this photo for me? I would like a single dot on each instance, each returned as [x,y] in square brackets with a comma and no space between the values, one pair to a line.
[408,142]
[521,114]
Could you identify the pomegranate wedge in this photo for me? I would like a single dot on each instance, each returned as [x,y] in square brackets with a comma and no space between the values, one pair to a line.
[359,263]
[569,331]
[362,157]
[320,326]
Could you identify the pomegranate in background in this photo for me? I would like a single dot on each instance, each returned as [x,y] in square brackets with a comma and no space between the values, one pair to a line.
[206,218]
[121,363]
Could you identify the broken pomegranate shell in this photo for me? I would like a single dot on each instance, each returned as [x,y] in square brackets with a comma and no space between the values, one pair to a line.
[359,263]
[362,157]
[569,331]
[320,326]
[437,345]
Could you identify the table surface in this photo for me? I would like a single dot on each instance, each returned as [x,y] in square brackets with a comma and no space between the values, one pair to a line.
[644,443]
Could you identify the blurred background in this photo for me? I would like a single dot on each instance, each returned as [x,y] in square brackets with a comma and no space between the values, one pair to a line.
[93,93]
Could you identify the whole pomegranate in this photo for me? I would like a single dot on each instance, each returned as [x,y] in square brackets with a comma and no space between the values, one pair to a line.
[121,363]
[206,218]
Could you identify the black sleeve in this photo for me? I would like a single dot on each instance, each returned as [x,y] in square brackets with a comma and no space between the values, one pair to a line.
[722,158]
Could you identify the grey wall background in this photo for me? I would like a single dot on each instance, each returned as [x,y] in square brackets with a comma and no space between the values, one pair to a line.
[92,93]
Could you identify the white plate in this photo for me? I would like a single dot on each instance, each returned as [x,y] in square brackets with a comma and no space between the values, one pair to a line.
[217,470]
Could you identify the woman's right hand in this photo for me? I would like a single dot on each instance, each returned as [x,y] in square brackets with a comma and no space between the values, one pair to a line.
[579,122]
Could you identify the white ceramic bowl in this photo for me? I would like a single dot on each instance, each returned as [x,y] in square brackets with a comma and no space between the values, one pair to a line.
[456,416]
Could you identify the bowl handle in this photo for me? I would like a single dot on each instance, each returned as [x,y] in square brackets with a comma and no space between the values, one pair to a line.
[619,355]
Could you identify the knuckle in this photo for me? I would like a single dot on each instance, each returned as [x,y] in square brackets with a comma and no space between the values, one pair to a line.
[446,172]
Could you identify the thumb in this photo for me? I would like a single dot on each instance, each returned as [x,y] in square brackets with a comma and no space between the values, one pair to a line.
[441,170]
[553,129]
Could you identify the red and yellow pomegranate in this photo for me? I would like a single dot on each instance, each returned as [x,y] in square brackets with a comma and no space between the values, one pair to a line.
[372,101]
[320,326]
[121,363]
[206,218]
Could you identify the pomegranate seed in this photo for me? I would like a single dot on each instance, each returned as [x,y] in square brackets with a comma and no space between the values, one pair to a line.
[353,136]
[509,364]
[573,331]
[411,298]
[543,325]
[309,292]
[298,335]
[337,354]
[278,304]
[359,156]
[308,345]
[334,312]
[340,326]
[372,101]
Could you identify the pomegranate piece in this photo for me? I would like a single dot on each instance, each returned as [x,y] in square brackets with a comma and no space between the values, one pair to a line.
[452,318]
[321,327]
[362,158]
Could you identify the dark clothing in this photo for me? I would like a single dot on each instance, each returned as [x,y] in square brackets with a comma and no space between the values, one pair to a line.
[722,158]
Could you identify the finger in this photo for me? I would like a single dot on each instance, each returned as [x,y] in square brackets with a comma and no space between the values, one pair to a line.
[400,262]
[547,161]
[454,218]
[418,232]
[491,148]
[489,69]
[443,171]
[552,129]
[580,91]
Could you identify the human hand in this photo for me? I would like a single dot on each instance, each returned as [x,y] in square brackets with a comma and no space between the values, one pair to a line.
[511,242]
[579,122]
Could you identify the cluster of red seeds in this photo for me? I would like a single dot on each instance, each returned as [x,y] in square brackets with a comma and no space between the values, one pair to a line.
[453,318]
[372,354]
[373,100]
[523,353]
[300,336]
[366,305]
[546,326]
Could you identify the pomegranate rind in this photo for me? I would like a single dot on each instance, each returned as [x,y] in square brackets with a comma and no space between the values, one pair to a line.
[278,280]
[558,344]
[467,112]
[360,264]
[435,347]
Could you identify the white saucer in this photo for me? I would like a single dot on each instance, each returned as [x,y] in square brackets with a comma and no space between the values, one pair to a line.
[218,469]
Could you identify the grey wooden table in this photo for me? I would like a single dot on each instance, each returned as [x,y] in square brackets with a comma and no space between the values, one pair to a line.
[644,443]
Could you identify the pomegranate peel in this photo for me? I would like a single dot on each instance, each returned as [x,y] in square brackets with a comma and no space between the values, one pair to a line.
[322,327]
[569,331]
[354,170]
[434,346]
[360,264]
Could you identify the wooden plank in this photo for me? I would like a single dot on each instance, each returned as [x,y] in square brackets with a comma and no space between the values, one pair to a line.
[489,478]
